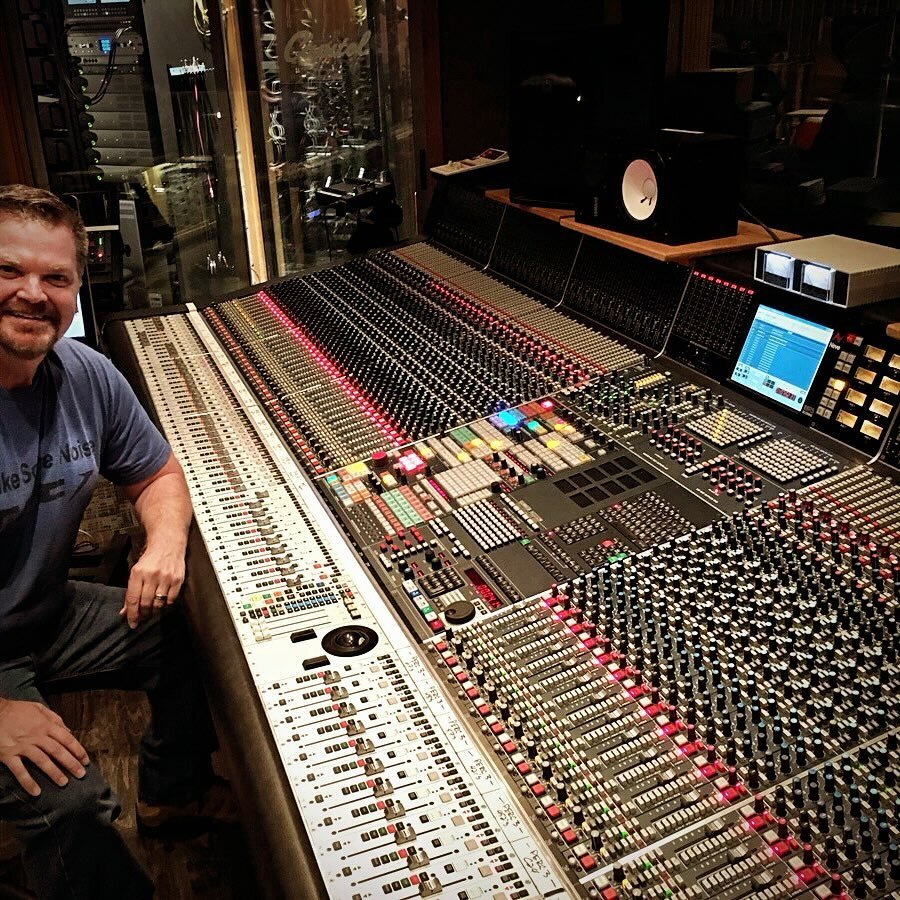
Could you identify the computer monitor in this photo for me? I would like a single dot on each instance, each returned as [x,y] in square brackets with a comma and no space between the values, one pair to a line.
[781,356]
[84,325]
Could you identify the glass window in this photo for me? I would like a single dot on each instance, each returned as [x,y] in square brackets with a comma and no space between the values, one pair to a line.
[153,114]
[334,127]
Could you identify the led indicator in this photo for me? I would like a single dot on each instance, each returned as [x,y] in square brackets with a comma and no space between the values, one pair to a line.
[509,418]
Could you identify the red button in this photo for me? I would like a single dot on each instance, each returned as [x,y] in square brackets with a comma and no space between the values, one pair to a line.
[588,862]
[782,847]
[733,793]
[810,873]
[569,836]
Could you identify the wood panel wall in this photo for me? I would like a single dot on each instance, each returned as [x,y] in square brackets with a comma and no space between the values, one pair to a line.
[21,157]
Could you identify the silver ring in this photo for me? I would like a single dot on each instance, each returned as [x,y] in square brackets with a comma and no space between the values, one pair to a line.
[162,597]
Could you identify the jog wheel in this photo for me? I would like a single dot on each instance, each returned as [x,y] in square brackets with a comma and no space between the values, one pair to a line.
[460,612]
[349,640]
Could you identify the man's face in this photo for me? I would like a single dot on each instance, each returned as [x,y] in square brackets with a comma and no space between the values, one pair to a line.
[39,282]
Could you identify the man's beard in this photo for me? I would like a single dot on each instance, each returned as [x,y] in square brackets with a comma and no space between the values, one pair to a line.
[28,346]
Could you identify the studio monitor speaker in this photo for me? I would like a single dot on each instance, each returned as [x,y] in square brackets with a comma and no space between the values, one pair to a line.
[675,187]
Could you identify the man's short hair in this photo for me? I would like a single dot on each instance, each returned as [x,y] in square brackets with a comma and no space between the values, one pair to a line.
[43,206]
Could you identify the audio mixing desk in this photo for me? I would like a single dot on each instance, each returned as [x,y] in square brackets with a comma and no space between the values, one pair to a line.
[527,568]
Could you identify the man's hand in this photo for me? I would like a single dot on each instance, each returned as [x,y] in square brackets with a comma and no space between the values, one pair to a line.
[31,731]
[163,506]
[154,583]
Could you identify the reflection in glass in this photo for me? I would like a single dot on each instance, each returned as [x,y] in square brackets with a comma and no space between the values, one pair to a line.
[334,111]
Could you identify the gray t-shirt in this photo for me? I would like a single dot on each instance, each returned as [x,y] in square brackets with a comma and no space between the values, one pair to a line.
[78,420]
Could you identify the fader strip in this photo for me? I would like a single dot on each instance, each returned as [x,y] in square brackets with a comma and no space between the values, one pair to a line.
[395,799]
[657,693]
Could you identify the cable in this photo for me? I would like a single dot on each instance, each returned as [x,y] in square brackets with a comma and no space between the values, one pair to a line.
[107,75]
[110,66]
[759,222]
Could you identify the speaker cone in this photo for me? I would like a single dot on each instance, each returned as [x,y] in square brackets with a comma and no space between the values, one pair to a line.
[640,190]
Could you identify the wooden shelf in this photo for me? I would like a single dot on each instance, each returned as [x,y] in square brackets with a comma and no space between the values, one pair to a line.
[749,235]
[501,195]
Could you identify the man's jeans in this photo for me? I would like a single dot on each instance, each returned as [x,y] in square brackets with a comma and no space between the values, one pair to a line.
[72,849]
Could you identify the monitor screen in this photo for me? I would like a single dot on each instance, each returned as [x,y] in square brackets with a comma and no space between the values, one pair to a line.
[781,356]
[83,327]
[77,328]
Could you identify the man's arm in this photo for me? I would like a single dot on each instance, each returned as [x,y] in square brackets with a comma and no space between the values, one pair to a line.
[163,507]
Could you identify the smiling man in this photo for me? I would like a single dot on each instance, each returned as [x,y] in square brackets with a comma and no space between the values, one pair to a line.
[66,418]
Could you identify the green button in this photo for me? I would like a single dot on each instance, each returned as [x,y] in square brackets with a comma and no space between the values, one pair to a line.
[463,435]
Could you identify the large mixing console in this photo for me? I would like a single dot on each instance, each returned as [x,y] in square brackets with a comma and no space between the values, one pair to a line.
[532,607]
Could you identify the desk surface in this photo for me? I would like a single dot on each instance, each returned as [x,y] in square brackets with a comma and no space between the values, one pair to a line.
[501,195]
[748,235]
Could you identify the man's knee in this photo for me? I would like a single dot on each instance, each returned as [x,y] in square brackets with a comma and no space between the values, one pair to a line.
[71,848]
[82,803]
[87,799]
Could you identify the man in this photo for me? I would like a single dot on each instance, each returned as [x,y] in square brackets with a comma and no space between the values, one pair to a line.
[67,417]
